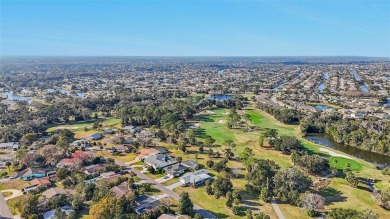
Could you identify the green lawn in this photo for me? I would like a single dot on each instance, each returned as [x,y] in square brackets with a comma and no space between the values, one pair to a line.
[75,126]
[343,162]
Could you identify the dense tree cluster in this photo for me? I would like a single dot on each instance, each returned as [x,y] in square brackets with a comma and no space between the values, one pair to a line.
[285,115]
[286,144]
[369,135]
[311,163]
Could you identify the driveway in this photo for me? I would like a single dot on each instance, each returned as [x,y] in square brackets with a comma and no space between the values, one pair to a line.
[163,179]
[162,188]
[15,193]
[174,185]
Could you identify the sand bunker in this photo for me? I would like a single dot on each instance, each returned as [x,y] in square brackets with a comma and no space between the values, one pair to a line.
[209,112]
[195,126]
[334,154]
[221,121]
[225,113]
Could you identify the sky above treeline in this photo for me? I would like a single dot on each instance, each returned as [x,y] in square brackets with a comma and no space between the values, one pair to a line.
[195,28]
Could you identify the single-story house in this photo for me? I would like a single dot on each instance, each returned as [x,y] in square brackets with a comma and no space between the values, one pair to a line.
[95,136]
[190,164]
[10,145]
[172,216]
[50,214]
[77,158]
[120,190]
[145,203]
[131,129]
[81,143]
[121,148]
[146,152]
[41,182]
[145,134]
[108,131]
[93,169]
[175,170]
[54,192]
[158,161]
[31,173]
[109,174]
[195,178]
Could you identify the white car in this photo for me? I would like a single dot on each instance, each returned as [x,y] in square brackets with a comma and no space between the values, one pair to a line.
[14,176]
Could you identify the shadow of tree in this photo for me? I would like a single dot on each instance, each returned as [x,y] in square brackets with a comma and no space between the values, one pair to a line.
[332,195]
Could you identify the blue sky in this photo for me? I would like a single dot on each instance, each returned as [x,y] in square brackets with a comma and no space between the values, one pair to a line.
[195,28]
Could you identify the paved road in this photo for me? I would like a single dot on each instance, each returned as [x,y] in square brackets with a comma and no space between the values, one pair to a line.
[277,209]
[15,193]
[162,188]
[5,213]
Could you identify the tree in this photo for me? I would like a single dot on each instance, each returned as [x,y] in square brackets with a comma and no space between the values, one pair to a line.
[289,183]
[107,207]
[271,133]
[62,173]
[351,179]
[179,159]
[261,140]
[261,215]
[313,203]
[286,144]
[28,138]
[185,204]
[246,154]
[343,213]
[248,214]
[209,141]
[385,198]
[261,174]
[236,210]
[8,164]
[59,214]
[246,117]
[28,205]
[222,185]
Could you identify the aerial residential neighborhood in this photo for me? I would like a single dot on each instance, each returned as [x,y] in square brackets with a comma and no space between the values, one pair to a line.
[173,109]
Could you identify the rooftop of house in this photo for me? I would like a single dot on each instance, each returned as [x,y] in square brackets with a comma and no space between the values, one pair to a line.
[30,171]
[144,152]
[40,182]
[51,214]
[120,190]
[53,192]
[195,176]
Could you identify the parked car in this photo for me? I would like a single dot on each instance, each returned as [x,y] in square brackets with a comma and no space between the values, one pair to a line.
[14,176]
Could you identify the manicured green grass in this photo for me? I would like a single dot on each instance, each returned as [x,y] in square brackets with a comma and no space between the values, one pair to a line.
[75,126]
[342,163]
[211,127]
